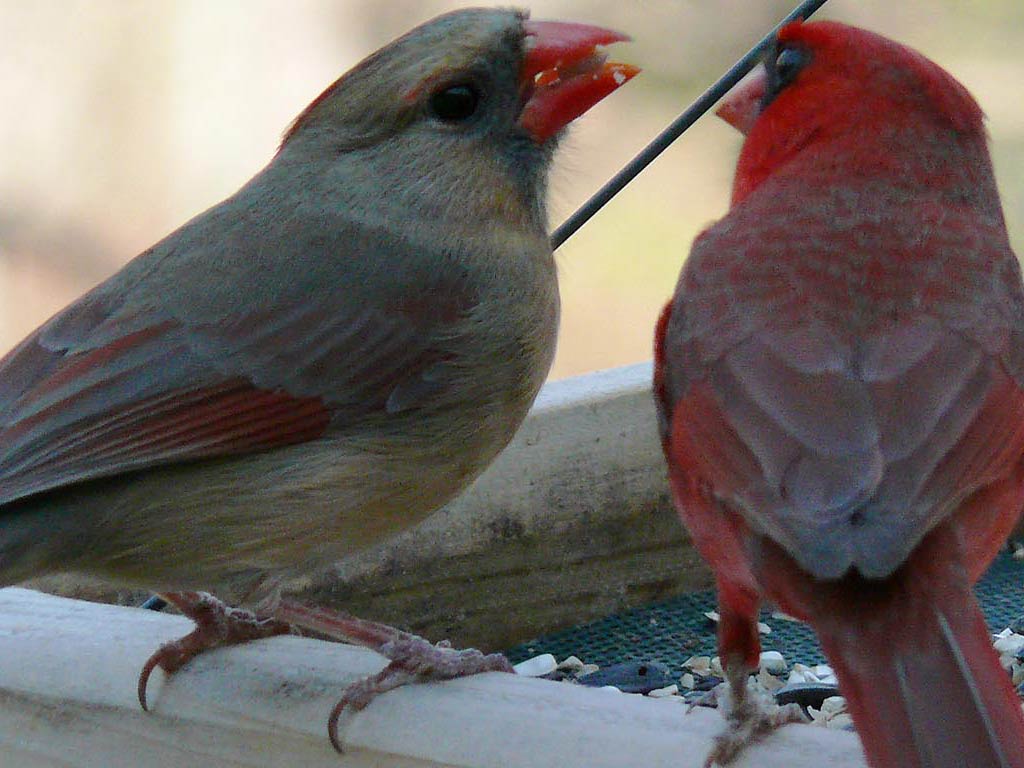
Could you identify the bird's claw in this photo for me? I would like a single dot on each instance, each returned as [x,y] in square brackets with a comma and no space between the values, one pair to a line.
[749,714]
[413,660]
[217,624]
[707,699]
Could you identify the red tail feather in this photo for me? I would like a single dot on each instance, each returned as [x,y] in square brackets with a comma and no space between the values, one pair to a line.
[916,663]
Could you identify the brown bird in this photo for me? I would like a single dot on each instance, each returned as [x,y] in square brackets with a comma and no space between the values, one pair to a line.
[319,361]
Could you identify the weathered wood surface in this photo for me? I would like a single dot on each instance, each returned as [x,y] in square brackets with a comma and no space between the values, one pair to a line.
[67,698]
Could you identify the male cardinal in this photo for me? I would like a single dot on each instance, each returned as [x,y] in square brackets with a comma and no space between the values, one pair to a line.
[320,360]
[840,383]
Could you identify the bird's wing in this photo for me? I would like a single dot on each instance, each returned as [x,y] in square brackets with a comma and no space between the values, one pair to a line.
[229,352]
[844,445]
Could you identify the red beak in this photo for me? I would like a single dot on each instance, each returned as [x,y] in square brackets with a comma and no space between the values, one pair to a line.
[565,75]
[742,105]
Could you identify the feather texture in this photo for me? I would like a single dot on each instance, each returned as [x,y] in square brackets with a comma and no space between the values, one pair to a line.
[838,380]
[315,363]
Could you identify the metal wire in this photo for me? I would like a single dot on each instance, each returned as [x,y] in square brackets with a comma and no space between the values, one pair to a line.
[662,141]
[670,632]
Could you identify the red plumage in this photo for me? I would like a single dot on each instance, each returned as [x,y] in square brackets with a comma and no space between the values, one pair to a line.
[840,388]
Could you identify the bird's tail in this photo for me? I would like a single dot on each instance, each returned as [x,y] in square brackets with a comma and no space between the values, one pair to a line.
[938,700]
[922,680]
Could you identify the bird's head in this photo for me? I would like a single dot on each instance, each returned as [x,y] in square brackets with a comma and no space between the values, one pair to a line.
[470,104]
[869,102]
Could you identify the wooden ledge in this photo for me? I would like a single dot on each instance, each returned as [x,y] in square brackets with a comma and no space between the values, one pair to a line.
[67,698]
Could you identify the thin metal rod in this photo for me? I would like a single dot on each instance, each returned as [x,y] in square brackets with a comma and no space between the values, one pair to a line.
[662,141]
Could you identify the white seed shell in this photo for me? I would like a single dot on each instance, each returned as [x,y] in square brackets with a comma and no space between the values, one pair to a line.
[538,666]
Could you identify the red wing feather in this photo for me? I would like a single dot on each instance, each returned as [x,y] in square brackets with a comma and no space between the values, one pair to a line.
[107,411]
[204,423]
[156,366]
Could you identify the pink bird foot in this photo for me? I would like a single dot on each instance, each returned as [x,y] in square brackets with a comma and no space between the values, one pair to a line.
[217,624]
[749,715]
[413,659]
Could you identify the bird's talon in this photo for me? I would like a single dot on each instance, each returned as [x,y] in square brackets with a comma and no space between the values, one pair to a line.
[143,683]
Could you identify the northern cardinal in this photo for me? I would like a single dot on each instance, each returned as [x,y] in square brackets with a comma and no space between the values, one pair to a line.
[322,359]
[840,384]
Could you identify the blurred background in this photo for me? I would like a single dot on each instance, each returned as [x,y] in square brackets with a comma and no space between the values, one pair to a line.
[121,119]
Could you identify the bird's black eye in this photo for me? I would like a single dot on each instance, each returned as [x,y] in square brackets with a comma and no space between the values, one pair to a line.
[787,66]
[455,103]
[783,65]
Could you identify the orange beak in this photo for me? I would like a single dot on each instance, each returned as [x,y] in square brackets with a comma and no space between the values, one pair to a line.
[564,74]
[742,105]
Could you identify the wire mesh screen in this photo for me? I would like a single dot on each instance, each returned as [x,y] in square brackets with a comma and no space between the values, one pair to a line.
[672,631]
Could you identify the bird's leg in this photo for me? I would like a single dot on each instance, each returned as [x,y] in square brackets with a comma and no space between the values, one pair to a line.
[412,658]
[749,711]
[217,624]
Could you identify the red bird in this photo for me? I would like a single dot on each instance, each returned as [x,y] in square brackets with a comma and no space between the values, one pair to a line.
[840,383]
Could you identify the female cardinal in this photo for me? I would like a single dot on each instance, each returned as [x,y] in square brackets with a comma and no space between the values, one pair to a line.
[322,359]
[840,382]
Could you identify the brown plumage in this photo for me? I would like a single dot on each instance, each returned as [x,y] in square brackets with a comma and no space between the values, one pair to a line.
[328,355]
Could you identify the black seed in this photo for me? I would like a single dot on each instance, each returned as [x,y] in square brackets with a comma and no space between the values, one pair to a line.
[631,677]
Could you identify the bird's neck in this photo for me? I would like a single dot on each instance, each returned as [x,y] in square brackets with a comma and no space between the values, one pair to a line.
[916,158]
